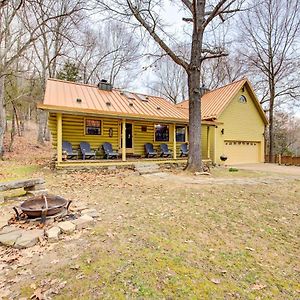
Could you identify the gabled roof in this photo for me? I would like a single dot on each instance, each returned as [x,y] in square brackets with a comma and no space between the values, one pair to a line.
[62,96]
[214,102]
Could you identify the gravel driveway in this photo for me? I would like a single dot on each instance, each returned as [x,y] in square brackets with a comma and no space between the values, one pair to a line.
[273,168]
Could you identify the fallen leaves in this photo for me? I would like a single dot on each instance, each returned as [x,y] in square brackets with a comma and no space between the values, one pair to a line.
[37,295]
[250,249]
[47,288]
[215,280]
[258,287]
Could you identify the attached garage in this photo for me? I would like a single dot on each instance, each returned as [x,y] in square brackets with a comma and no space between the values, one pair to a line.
[241,120]
[242,152]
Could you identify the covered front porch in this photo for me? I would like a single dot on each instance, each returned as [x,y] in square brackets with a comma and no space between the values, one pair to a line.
[127,137]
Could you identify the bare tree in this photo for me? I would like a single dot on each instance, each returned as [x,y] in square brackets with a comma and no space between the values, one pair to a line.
[107,53]
[270,35]
[201,15]
[19,29]
[221,71]
[286,133]
[14,40]
[56,39]
[171,79]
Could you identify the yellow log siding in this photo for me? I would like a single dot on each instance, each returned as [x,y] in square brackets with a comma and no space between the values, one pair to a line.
[140,137]
[242,122]
[73,131]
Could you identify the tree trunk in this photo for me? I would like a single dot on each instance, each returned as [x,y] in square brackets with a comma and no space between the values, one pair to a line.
[46,130]
[13,131]
[271,125]
[195,158]
[194,75]
[2,116]
[41,126]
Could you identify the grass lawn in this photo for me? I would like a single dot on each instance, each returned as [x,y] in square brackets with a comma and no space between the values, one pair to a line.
[169,240]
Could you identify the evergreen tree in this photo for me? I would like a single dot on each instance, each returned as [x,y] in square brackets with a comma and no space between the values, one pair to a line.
[69,72]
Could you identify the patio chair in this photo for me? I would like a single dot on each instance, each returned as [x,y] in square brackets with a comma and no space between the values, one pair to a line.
[67,147]
[150,152]
[184,151]
[165,152]
[108,151]
[86,151]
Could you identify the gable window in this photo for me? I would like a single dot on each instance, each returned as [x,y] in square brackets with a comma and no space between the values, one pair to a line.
[161,133]
[243,99]
[92,127]
[180,133]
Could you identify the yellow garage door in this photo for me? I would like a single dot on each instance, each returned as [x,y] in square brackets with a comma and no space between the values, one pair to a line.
[241,152]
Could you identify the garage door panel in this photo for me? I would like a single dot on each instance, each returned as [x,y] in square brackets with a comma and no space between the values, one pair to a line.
[241,152]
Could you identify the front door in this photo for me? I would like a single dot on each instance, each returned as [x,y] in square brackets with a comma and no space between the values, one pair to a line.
[129,138]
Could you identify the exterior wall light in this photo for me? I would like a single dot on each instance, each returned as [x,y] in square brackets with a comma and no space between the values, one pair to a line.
[222,131]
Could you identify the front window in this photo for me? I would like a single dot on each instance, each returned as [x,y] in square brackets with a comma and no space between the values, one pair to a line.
[92,127]
[180,133]
[161,133]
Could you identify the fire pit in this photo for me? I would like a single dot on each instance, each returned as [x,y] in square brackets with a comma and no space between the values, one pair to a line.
[43,206]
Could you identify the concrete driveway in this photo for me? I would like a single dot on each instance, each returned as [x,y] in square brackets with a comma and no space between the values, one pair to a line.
[273,168]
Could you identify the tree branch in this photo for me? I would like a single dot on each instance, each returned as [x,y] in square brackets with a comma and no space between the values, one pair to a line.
[151,31]
[188,4]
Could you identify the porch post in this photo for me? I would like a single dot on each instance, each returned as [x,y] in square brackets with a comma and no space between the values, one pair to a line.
[59,137]
[215,144]
[186,134]
[208,142]
[123,140]
[174,142]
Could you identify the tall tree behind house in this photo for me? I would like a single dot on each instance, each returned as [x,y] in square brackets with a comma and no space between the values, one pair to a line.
[270,48]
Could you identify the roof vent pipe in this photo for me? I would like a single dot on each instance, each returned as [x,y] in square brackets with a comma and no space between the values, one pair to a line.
[204,89]
[104,85]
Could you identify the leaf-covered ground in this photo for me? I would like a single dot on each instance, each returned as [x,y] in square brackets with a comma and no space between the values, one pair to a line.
[163,239]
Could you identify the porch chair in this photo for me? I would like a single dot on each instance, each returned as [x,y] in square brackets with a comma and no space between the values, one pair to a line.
[109,152]
[184,151]
[67,147]
[150,152]
[86,151]
[165,152]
